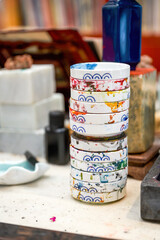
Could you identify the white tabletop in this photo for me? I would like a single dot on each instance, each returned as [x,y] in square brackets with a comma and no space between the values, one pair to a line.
[35,203]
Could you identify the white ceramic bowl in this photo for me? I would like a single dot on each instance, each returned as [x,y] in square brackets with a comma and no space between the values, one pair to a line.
[98,157]
[100,85]
[98,198]
[98,145]
[99,177]
[104,107]
[100,70]
[104,130]
[99,167]
[97,187]
[101,118]
[100,97]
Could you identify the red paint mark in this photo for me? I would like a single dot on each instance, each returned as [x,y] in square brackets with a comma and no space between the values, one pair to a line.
[111,119]
[76,112]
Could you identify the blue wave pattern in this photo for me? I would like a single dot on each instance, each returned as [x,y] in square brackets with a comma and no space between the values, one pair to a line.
[124,117]
[94,190]
[79,118]
[82,98]
[78,129]
[89,198]
[85,189]
[101,169]
[96,158]
[124,127]
[97,76]
[82,119]
[74,117]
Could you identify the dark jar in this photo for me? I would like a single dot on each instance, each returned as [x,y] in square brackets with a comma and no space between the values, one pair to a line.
[57,139]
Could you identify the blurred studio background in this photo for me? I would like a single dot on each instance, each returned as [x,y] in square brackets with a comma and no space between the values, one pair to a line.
[83,15]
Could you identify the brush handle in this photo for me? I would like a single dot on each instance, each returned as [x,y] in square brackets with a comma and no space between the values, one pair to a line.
[31,158]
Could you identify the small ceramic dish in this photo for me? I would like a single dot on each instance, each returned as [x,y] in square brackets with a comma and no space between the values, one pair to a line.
[18,170]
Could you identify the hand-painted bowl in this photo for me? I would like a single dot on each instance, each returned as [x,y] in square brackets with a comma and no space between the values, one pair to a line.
[100,70]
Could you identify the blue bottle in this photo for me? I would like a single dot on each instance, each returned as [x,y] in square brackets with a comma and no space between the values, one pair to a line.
[122,20]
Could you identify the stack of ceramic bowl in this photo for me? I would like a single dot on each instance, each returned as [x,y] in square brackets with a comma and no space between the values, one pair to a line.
[99,106]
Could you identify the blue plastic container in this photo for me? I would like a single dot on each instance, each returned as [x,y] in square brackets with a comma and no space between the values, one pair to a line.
[122,20]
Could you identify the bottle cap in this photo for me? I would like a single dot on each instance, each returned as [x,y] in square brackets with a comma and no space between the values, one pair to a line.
[56,119]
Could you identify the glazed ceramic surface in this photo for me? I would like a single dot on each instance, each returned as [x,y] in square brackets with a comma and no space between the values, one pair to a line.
[91,118]
[97,187]
[103,107]
[100,97]
[20,172]
[98,144]
[99,85]
[100,70]
[99,130]
[98,197]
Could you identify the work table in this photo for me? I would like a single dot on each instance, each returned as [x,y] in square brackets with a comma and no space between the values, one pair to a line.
[33,205]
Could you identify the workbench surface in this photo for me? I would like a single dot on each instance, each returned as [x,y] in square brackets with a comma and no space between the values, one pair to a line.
[35,203]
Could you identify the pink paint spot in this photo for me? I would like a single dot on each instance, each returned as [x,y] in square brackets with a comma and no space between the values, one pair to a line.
[53,219]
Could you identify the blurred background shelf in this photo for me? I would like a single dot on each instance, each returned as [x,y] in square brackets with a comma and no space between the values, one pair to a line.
[83,15]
